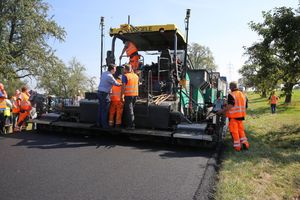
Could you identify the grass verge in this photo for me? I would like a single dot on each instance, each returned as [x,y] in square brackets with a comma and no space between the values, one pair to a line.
[271,168]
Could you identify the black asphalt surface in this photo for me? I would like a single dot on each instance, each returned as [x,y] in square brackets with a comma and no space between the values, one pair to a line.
[58,166]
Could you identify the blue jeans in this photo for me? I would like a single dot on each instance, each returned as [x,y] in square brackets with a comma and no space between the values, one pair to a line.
[104,103]
[273,108]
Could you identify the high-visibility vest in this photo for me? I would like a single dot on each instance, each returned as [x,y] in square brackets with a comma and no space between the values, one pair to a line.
[15,100]
[131,48]
[25,103]
[132,86]
[7,112]
[239,108]
[116,92]
[2,104]
[274,99]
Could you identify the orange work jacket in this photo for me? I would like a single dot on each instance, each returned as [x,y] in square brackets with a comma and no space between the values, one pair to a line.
[239,108]
[132,86]
[15,100]
[116,92]
[274,99]
[25,103]
[131,48]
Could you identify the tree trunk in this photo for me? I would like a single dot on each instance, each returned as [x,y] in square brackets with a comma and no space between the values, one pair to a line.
[288,92]
[263,94]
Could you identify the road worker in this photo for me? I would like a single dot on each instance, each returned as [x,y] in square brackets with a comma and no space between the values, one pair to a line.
[2,90]
[15,100]
[25,107]
[131,52]
[236,112]
[2,110]
[130,89]
[116,105]
[104,89]
[273,100]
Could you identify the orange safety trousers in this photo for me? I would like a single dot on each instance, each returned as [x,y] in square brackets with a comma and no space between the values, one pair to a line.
[115,111]
[237,131]
[23,117]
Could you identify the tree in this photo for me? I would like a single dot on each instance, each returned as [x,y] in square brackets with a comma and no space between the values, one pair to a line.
[58,79]
[201,57]
[278,54]
[25,28]
[92,83]
[77,82]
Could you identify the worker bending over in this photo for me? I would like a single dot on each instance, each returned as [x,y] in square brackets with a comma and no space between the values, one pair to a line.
[236,112]
[116,105]
[131,52]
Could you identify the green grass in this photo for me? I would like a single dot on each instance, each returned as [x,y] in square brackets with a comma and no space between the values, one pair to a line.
[271,168]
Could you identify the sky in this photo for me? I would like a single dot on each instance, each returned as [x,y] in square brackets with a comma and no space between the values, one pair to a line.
[221,25]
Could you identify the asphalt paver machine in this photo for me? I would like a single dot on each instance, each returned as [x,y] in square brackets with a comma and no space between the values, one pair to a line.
[175,100]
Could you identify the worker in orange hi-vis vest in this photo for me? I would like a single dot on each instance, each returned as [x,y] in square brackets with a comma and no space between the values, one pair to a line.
[25,108]
[3,106]
[15,100]
[131,52]
[116,105]
[236,112]
[130,89]
[273,100]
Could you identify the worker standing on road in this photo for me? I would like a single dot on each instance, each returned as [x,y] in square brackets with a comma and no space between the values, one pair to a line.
[2,90]
[273,100]
[15,100]
[236,112]
[131,52]
[116,105]
[25,107]
[2,110]
[130,89]
[104,89]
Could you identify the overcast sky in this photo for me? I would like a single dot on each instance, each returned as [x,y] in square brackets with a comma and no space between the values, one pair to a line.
[221,25]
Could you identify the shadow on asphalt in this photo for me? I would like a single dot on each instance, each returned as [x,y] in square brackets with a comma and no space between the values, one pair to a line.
[30,139]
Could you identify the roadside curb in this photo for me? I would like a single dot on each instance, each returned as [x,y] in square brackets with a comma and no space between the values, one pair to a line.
[207,186]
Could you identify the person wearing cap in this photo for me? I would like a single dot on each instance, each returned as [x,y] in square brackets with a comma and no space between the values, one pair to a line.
[2,90]
[130,89]
[131,52]
[236,112]
[107,80]
[3,106]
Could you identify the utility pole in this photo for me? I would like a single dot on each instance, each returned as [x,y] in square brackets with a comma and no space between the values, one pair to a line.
[102,36]
[187,21]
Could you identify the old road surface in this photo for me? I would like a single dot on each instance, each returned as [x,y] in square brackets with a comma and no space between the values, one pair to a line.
[58,166]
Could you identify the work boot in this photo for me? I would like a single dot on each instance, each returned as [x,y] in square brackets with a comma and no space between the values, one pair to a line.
[245,146]
[237,149]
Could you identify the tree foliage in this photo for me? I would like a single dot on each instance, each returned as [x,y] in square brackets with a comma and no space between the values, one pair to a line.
[25,28]
[201,57]
[276,58]
[64,81]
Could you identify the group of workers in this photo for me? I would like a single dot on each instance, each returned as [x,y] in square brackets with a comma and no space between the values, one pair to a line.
[16,110]
[117,95]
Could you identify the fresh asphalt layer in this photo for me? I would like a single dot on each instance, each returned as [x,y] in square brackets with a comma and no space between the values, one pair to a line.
[59,166]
